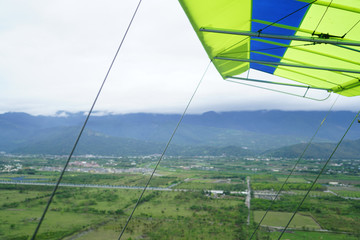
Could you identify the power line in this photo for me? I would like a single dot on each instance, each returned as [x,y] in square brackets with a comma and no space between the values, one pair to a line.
[317,177]
[294,167]
[83,127]
[163,153]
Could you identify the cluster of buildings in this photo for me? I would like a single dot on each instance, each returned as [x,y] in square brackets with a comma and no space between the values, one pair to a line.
[11,168]
[97,169]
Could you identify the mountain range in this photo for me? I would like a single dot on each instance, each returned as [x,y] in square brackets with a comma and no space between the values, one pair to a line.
[212,133]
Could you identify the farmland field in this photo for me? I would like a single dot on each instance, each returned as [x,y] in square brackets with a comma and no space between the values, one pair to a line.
[183,207]
[280,219]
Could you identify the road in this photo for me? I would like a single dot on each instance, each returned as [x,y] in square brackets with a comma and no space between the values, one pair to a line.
[88,185]
[248,198]
[170,188]
[352,198]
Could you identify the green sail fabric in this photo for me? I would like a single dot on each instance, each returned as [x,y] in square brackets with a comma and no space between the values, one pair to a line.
[226,13]
[338,18]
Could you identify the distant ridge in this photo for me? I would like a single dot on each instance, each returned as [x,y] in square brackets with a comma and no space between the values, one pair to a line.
[141,133]
[349,149]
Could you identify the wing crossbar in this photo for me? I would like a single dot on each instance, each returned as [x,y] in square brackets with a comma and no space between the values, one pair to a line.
[334,41]
[288,64]
[280,83]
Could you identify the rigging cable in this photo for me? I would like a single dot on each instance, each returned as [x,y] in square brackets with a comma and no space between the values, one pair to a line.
[278,91]
[351,28]
[305,6]
[269,25]
[270,48]
[294,167]
[164,151]
[349,48]
[83,127]
[317,177]
[343,36]
[322,17]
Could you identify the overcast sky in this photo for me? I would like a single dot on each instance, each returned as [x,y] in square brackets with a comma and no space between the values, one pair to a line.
[55,54]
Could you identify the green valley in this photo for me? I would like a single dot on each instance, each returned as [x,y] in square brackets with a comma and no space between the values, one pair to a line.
[188,198]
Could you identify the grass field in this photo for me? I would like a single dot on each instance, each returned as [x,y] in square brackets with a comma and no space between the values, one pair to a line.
[101,214]
[21,177]
[292,180]
[280,219]
[178,215]
[95,213]
[353,192]
[305,235]
[118,179]
[71,211]
[21,222]
[8,197]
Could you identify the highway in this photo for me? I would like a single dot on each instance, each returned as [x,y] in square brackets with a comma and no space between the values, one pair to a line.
[170,188]
[87,185]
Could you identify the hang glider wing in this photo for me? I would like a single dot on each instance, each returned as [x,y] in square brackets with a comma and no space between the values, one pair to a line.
[316,43]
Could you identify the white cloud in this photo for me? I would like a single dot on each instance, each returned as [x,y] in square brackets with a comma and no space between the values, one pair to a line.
[54,56]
